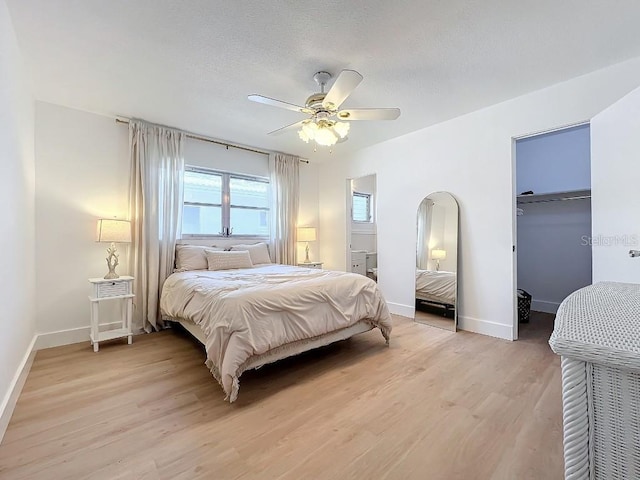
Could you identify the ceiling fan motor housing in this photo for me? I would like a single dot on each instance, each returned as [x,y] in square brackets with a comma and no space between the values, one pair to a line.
[315,101]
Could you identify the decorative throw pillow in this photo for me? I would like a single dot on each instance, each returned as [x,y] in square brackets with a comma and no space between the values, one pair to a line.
[192,257]
[228,260]
[259,252]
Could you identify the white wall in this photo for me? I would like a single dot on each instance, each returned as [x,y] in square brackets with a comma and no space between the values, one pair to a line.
[473,157]
[17,294]
[218,157]
[82,174]
[615,180]
[308,216]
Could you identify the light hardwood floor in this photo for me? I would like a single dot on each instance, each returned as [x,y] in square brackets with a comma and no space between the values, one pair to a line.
[434,405]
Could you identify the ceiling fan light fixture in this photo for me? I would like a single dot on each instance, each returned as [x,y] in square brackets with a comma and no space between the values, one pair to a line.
[342,128]
[303,135]
[323,132]
[326,137]
[308,131]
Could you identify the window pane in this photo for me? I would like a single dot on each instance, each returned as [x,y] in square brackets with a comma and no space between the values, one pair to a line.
[249,222]
[361,209]
[201,220]
[202,187]
[249,193]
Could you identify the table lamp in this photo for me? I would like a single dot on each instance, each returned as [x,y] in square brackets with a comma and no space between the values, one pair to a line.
[437,255]
[113,231]
[306,234]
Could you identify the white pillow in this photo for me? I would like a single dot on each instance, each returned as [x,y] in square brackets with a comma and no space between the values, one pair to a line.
[259,252]
[192,257]
[228,260]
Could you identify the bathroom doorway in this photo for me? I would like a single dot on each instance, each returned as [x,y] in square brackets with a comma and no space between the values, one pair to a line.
[362,256]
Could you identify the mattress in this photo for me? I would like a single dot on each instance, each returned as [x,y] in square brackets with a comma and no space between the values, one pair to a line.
[436,286]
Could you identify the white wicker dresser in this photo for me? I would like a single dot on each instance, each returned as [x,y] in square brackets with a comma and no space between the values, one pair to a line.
[597,334]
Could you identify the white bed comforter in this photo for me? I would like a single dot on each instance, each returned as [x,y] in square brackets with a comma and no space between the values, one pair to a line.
[248,312]
[437,284]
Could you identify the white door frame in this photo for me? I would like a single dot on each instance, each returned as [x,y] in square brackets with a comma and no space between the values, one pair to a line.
[348,226]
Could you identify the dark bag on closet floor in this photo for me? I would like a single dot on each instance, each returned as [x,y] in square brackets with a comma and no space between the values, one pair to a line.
[524,306]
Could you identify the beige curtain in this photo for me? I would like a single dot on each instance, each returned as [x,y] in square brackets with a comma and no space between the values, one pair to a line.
[285,198]
[425,212]
[155,208]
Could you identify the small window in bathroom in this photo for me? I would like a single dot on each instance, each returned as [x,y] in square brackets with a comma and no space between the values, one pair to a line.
[361,211]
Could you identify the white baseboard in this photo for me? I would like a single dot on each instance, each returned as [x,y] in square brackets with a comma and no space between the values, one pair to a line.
[15,387]
[468,324]
[67,337]
[485,327]
[544,306]
[402,310]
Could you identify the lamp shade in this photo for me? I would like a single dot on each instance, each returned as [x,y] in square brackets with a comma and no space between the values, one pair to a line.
[306,234]
[111,230]
[438,254]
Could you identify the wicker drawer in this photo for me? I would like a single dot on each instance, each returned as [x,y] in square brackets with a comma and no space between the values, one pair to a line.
[112,289]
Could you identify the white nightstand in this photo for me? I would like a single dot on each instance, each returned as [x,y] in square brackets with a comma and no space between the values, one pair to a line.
[317,265]
[114,289]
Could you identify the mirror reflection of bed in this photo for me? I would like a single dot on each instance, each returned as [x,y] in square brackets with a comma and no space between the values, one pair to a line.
[436,285]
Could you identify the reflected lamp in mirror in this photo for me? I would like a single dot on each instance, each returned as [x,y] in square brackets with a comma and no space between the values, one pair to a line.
[113,231]
[306,234]
[438,254]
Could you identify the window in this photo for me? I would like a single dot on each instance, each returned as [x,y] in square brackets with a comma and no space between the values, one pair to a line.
[220,203]
[361,207]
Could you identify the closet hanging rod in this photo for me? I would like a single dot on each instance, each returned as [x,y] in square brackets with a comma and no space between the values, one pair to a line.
[217,142]
[563,199]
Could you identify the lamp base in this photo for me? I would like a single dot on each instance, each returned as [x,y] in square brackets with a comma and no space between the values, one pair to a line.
[306,258]
[111,275]
[112,262]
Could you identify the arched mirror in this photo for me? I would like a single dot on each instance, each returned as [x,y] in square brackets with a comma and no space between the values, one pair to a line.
[437,262]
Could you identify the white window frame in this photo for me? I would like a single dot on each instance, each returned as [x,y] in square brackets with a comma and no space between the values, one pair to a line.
[226,204]
[369,198]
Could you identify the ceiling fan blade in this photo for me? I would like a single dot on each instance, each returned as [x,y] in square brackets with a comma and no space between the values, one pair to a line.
[346,83]
[288,128]
[369,114]
[279,103]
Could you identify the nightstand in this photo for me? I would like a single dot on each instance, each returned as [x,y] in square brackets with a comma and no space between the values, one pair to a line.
[114,289]
[317,265]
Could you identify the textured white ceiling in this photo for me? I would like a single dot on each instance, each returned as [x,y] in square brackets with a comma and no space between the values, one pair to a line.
[191,64]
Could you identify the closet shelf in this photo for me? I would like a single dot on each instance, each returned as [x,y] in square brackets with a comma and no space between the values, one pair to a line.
[553,197]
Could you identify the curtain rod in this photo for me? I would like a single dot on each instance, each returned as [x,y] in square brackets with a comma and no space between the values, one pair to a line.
[217,142]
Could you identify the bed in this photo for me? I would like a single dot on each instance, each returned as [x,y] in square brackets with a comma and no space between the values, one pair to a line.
[249,317]
[436,286]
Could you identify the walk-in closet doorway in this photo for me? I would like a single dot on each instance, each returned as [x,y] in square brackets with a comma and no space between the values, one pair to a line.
[553,255]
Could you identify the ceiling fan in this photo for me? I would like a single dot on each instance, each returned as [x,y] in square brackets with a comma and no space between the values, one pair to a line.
[327,124]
